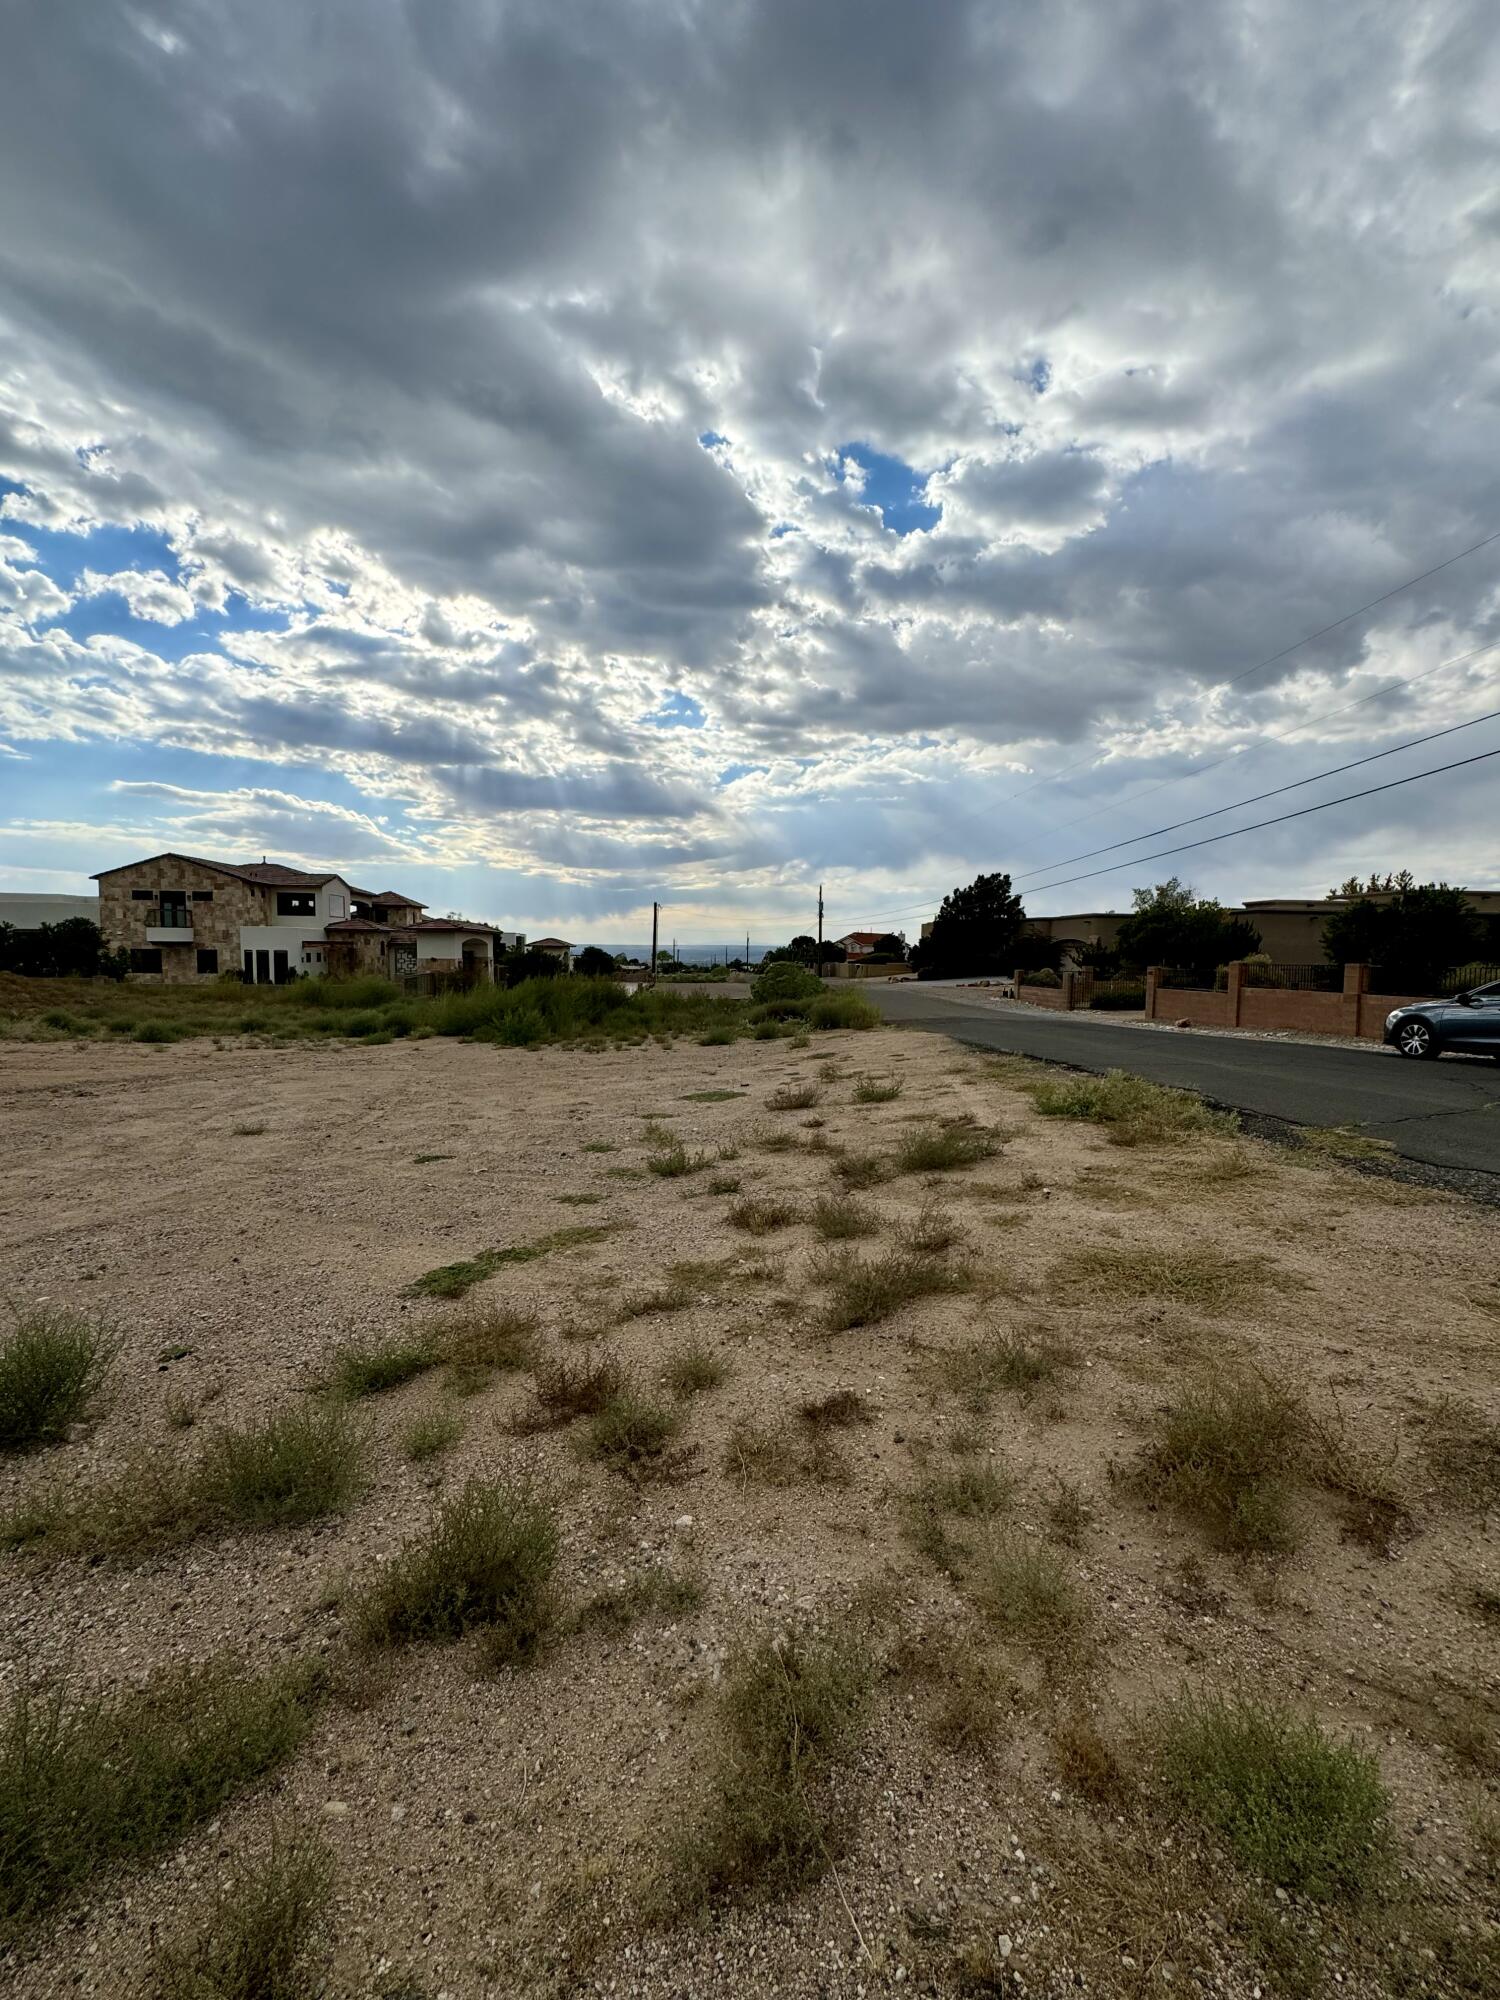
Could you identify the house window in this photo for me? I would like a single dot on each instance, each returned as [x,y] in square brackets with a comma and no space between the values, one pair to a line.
[336,905]
[174,910]
[143,895]
[296,903]
[208,961]
[145,958]
[203,895]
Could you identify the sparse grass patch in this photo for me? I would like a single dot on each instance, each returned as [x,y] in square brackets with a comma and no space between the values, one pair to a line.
[712,1096]
[840,1218]
[877,1089]
[861,1170]
[670,1297]
[486,1560]
[941,1149]
[1132,1111]
[1339,1142]
[1195,1276]
[1307,1814]
[431,1435]
[90,1779]
[370,1371]
[260,1941]
[759,1215]
[580,1200]
[791,1711]
[774,1452]
[427,1159]
[673,1162]
[598,1146]
[842,1010]
[724,1184]
[931,1232]
[451,1281]
[490,1339]
[1222,1453]
[1068,1513]
[51,1365]
[863,1291]
[693,1370]
[1026,1589]
[999,1361]
[794,1097]
[653,1593]
[838,1410]
[246,1131]
[976,1491]
[1090,1764]
[628,1430]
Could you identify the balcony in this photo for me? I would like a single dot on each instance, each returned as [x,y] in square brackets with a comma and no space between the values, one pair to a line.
[171,925]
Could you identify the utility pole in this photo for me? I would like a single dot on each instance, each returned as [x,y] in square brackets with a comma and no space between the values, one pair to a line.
[820,930]
[747,951]
[655,913]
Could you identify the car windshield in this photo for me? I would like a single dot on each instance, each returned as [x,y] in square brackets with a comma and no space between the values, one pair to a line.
[1490,992]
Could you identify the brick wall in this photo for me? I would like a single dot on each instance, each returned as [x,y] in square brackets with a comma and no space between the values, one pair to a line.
[1042,996]
[1279,1007]
[1269,1008]
[124,918]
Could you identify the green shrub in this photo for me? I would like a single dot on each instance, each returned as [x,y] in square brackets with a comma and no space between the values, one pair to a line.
[840,1218]
[791,1711]
[486,1561]
[497,1339]
[260,1939]
[51,1365]
[761,1214]
[291,1468]
[842,1010]
[693,1370]
[431,1435]
[785,981]
[877,1090]
[656,1593]
[1027,1590]
[1307,1814]
[91,1779]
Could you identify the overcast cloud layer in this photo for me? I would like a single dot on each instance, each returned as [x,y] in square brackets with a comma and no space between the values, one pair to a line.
[554,455]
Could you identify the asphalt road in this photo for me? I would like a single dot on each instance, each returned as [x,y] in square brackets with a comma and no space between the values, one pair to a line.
[1445,1113]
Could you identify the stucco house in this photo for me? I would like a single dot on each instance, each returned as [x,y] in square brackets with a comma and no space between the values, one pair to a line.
[557,948]
[859,944]
[182,918]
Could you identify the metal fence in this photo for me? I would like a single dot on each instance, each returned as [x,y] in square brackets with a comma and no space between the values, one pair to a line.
[1462,977]
[1120,995]
[1187,978]
[1292,978]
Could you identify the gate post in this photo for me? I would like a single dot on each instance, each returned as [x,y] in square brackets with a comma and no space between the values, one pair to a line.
[1352,1004]
[1236,988]
[1153,973]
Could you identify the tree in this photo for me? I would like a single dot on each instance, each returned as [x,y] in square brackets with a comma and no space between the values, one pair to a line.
[1171,926]
[891,946]
[975,932]
[803,950]
[1409,938]
[594,963]
[517,966]
[72,949]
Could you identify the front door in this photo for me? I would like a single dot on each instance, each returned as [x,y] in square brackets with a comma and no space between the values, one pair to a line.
[279,967]
[262,968]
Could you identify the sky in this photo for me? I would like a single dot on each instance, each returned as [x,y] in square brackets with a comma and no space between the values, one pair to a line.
[552,458]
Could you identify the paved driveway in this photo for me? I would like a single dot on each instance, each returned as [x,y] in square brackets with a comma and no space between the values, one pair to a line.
[1446,1113]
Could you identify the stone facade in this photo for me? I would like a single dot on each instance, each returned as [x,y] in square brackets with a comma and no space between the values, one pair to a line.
[130,904]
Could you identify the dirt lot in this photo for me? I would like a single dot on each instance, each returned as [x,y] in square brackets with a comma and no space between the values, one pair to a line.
[249,1210]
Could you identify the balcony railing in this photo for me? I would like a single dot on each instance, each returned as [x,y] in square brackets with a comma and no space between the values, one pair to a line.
[169,925]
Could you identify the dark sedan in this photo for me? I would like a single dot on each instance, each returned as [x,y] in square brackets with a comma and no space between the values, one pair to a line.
[1467,1023]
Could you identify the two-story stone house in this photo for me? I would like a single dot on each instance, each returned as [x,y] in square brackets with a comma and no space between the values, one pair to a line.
[182,918]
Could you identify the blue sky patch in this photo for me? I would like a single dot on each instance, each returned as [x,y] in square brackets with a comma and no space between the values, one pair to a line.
[896,488]
[678,711]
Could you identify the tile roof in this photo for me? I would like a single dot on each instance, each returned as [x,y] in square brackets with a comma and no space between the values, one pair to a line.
[443,924]
[548,944]
[262,874]
[346,924]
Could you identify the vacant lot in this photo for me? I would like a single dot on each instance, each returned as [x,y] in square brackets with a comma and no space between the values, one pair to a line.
[733,1520]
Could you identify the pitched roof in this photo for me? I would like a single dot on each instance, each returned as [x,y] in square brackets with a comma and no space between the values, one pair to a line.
[346,924]
[388,899]
[262,874]
[862,937]
[548,944]
[443,924]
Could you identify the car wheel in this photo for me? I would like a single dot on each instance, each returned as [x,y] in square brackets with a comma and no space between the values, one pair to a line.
[1416,1039]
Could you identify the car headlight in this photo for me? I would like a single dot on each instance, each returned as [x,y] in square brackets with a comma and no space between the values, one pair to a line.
[1394,1015]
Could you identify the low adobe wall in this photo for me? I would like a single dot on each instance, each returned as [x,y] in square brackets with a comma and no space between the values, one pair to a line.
[1060,997]
[1355,1011]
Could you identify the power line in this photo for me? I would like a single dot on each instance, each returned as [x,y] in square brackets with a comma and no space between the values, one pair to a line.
[1278,819]
[1255,799]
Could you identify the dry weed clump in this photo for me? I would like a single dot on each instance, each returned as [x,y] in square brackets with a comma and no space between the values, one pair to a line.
[485,1561]
[263,1938]
[779,1452]
[862,1291]
[52,1363]
[1187,1275]
[792,1710]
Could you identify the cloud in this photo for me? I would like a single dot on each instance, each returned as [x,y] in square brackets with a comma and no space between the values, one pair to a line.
[400,343]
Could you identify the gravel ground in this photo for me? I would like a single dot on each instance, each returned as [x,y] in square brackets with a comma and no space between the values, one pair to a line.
[495,1836]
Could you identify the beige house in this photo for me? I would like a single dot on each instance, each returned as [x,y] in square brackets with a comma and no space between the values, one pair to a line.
[557,948]
[182,918]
